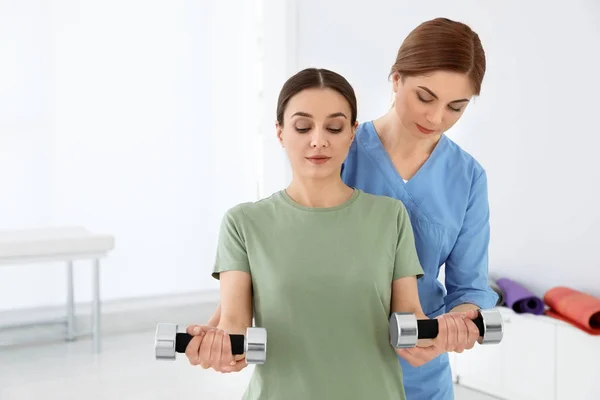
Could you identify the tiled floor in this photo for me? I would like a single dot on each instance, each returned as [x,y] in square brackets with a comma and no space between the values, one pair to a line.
[125,370]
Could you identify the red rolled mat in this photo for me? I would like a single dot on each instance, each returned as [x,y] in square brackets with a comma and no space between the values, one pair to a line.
[577,308]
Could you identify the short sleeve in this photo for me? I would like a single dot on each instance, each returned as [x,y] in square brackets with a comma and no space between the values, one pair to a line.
[231,248]
[407,260]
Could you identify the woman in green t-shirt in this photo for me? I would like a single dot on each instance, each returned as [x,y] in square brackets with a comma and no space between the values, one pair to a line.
[321,265]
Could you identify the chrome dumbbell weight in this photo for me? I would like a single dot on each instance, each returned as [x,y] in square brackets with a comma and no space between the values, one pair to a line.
[168,341]
[405,329]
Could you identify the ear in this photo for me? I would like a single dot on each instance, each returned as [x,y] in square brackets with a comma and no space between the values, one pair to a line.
[354,128]
[279,129]
[396,81]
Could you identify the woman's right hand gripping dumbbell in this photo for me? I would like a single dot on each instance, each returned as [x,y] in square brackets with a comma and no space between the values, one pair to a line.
[210,347]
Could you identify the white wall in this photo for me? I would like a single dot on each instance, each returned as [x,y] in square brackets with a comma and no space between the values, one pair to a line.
[134,118]
[26,137]
[534,128]
[279,38]
[122,116]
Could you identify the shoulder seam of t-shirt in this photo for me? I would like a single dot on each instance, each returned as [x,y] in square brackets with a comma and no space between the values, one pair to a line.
[400,212]
[243,217]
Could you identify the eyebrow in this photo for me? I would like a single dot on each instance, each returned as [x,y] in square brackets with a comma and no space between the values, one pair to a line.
[337,114]
[433,94]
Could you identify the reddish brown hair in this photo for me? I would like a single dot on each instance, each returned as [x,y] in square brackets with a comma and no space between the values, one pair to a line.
[442,44]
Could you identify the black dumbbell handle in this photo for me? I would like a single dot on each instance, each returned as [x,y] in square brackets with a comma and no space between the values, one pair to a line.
[428,328]
[183,339]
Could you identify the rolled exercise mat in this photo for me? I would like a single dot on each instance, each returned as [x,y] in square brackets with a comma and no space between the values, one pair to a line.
[519,298]
[577,308]
[498,291]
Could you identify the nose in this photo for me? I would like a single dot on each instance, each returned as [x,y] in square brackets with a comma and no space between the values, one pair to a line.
[435,116]
[318,138]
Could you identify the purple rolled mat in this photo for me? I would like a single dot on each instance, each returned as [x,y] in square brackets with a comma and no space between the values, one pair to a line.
[519,298]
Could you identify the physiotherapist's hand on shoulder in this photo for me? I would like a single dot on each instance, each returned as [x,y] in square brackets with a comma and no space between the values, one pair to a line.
[210,347]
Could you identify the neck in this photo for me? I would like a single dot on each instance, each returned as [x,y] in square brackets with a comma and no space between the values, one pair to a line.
[319,193]
[400,141]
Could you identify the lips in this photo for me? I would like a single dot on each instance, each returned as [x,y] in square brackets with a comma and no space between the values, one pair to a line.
[319,159]
[424,130]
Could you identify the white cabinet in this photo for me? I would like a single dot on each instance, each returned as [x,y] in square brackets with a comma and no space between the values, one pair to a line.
[540,358]
[577,364]
[481,368]
[528,366]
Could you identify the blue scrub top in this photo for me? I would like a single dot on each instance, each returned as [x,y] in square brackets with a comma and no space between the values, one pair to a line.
[447,201]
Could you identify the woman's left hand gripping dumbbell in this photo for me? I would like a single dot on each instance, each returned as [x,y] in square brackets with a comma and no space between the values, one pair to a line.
[210,347]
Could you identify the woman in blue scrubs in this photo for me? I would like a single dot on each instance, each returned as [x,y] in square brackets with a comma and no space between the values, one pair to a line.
[405,154]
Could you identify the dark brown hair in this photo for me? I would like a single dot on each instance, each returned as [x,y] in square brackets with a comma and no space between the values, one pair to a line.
[316,78]
[442,44]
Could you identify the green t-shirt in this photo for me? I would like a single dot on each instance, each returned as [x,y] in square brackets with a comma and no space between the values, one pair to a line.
[322,287]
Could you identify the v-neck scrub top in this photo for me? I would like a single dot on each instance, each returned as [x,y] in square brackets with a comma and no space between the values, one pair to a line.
[447,202]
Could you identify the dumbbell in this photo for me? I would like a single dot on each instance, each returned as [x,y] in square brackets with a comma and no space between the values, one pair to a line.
[405,329]
[168,341]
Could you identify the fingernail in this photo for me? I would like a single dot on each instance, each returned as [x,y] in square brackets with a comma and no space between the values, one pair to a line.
[196,330]
[232,363]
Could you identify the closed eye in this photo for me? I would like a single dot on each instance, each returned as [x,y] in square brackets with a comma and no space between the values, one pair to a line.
[332,130]
[429,101]
[423,100]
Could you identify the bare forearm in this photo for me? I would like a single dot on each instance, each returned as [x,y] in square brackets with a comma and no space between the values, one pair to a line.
[420,314]
[216,317]
[236,302]
[234,318]
[215,320]
[236,323]
[465,307]
[233,327]
[405,299]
